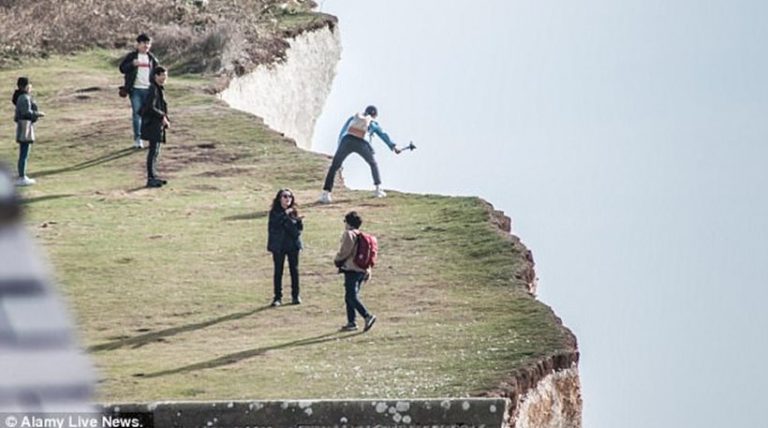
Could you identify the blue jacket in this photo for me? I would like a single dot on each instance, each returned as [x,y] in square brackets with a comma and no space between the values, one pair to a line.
[373,128]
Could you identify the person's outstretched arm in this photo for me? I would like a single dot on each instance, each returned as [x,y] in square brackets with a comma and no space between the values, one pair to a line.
[375,128]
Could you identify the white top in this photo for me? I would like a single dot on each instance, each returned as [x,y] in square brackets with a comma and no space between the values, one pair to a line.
[142,76]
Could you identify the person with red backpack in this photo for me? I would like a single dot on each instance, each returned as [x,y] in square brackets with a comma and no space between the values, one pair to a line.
[356,257]
[352,140]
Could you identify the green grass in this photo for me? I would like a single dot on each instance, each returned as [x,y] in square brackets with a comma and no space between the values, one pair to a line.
[170,286]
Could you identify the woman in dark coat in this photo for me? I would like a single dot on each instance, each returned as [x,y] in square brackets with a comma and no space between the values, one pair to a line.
[284,240]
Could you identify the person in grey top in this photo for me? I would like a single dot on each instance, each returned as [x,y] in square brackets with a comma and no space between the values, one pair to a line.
[26,115]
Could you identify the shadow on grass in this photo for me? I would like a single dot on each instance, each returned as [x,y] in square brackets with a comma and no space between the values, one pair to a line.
[244,355]
[249,216]
[136,189]
[143,339]
[91,162]
[323,204]
[28,201]
[261,214]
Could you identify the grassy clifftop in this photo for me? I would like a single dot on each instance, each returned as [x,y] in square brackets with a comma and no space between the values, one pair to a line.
[170,286]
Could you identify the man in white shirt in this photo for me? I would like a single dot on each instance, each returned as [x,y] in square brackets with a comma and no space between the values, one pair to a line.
[138,67]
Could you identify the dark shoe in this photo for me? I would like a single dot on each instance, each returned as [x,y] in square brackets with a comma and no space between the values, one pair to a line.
[163,182]
[369,320]
[276,303]
[349,327]
[153,182]
[296,301]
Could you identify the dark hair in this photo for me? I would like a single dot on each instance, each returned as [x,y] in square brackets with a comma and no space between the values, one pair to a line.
[160,70]
[371,111]
[143,37]
[276,202]
[353,219]
[21,84]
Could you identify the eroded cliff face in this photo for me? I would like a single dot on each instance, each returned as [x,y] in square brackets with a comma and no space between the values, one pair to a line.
[290,96]
[545,393]
[555,402]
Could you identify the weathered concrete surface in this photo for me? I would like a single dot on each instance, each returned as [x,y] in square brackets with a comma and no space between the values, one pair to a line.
[472,412]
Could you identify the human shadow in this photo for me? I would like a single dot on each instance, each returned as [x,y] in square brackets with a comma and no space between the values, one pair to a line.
[250,353]
[318,204]
[248,216]
[261,214]
[91,162]
[136,189]
[29,201]
[143,339]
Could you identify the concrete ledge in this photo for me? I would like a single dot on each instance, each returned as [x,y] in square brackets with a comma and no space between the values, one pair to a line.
[469,412]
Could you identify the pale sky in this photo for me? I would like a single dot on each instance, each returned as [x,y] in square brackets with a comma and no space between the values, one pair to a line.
[627,140]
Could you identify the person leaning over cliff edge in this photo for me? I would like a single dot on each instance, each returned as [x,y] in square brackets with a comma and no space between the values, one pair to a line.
[284,240]
[25,118]
[354,275]
[138,67]
[154,123]
[352,140]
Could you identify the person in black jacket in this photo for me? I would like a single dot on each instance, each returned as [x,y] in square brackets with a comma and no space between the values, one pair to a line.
[284,240]
[138,68]
[154,123]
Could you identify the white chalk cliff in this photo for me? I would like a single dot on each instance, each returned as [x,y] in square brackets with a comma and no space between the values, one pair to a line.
[290,96]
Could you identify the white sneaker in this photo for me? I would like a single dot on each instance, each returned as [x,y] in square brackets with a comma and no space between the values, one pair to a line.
[325,198]
[25,181]
[138,144]
[378,193]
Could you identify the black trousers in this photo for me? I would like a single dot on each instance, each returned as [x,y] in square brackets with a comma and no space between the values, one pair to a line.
[293,267]
[351,144]
[152,154]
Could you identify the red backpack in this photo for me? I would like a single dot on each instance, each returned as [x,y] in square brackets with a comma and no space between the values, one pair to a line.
[367,250]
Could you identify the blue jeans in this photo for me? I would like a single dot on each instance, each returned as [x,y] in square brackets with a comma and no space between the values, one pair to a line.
[352,283]
[351,144]
[24,149]
[138,97]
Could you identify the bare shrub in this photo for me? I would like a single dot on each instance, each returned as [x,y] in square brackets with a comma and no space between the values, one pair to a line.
[191,35]
[188,50]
